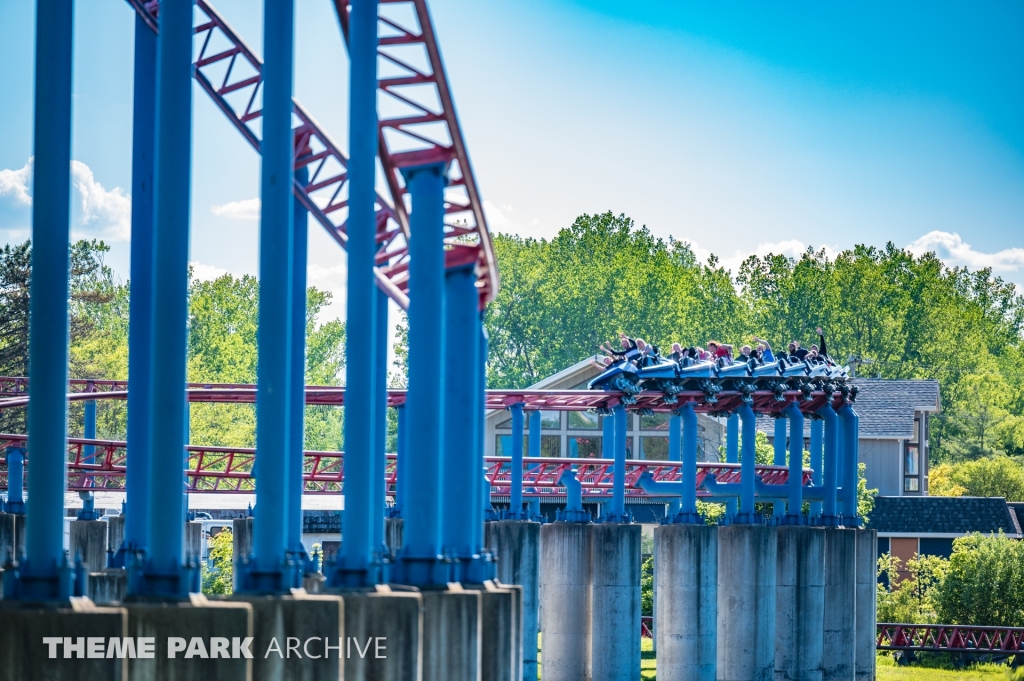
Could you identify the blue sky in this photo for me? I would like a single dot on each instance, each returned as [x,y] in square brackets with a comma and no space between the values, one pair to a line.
[741,127]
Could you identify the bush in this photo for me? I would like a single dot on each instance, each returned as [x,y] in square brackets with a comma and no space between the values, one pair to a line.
[647,587]
[910,600]
[218,575]
[995,476]
[984,584]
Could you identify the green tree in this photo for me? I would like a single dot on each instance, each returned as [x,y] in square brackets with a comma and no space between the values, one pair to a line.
[909,593]
[997,476]
[218,577]
[984,584]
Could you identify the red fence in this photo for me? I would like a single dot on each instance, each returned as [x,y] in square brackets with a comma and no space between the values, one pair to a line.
[950,638]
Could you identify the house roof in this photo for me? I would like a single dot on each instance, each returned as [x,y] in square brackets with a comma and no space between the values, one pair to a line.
[886,407]
[943,515]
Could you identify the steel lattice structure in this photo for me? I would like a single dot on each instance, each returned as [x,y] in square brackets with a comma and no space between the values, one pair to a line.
[950,638]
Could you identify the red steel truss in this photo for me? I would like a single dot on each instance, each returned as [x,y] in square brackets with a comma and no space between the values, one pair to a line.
[418,125]
[100,465]
[950,638]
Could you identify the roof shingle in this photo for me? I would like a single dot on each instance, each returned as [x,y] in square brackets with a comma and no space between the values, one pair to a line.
[943,515]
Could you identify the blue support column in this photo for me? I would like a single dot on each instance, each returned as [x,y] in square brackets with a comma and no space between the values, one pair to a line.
[45,577]
[608,436]
[486,510]
[830,464]
[401,460]
[380,436]
[796,464]
[140,303]
[816,460]
[617,511]
[534,439]
[163,575]
[89,430]
[850,422]
[296,459]
[675,453]
[779,445]
[515,505]
[462,470]
[274,405]
[361,399]
[419,558]
[15,482]
[732,455]
[688,500]
[748,462]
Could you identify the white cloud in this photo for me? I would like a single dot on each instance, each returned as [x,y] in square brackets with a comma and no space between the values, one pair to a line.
[106,213]
[17,184]
[953,250]
[248,209]
[203,272]
[500,219]
[792,248]
[335,280]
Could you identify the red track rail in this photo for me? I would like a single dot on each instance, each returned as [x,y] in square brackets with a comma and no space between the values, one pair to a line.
[418,124]
[950,638]
[229,469]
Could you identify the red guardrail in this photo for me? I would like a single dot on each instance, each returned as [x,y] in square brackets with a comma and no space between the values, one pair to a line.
[950,638]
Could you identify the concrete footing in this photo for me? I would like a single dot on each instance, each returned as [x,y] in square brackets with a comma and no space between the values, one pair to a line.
[451,634]
[393,534]
[746,602]
[115,532]
[12,537]
[299,637]
[108,587]
[89,540]
[686,581]
[840,605]
[516,546]
[193,538]
[615,602]
[500,631]
[25,656]
[565,594]
[194,624]
[395,620]
[800,603]
[241,545]
[867,595]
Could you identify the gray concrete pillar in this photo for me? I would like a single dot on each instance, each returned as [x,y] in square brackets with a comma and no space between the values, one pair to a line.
[107,587]
[393,534]
[686,581]
[24,656]
[241,546]
[396,617]
[451,634]
[499,631]
[615,609]
[746,603]
[193,537]
[838,652]
[280,620]
[565,597]
[89,540]
[115,532]
[800,603]
[867,595]
[516,547]
[8,538]
[189,621]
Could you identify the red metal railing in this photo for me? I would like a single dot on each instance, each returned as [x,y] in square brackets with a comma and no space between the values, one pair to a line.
[100,464]
[950,638]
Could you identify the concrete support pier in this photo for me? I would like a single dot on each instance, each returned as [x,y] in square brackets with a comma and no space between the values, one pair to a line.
[298,617]
[115,532]
[395,620]
[191,622]
[867,605]
[194,541]
[516,546]
[393,534]
[565,596]
[241,545]
[12,537]
[108,587]
[840,604]
[451,634]
[686,611]
[500,631]
[800,603]
[89,540]
[615,602]
[746,602]
[26,657]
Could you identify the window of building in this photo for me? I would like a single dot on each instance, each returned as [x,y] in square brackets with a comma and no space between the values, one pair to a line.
[585,446]
[654,448]
[549,420]
[912,467]
[549,445]
[583,420]
[654,422]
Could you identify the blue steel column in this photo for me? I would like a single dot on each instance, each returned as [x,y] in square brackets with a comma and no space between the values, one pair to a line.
[15,482]
[380,433]
[617,512]
[732,455]
[748,461]
[462,470]
[675,424]
[140,302]
[796,463]
[296,459]
[484,506]
[779,445]
[173,144]
[422,532]
[816,457]
[401,460]
[48,300]
[830,464]
[534,433]
[608,436]
[274,405]
[515,506]
[688,501]
[850,459]
[361,401]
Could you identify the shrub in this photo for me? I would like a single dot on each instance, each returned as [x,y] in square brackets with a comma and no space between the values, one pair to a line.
[218,575]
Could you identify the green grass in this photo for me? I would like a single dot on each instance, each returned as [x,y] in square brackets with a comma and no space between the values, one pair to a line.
[647,663]
[889,671]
